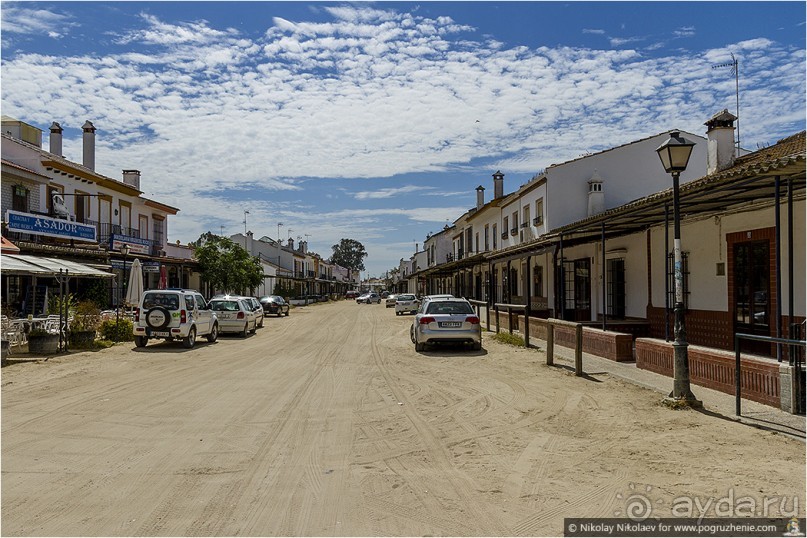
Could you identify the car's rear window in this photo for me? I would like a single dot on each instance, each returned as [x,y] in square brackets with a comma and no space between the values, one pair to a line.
[166,300]
[449,307]
[406,297]
[225,306]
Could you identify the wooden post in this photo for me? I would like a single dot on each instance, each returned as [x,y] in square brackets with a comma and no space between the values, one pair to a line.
[578,351]
[526,327]
[550,344]
[510,319]
[496,308]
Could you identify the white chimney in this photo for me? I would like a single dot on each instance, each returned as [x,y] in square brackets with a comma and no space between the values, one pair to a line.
[498,185]
[720,151]
[89,145]
[596,196]
[480,197]
[56,139]
[248,243]
[131,177]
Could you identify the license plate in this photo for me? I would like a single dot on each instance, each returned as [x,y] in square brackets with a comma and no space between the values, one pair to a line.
[160,333]
[451,324]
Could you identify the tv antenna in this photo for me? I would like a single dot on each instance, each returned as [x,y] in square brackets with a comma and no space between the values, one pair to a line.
[735,70]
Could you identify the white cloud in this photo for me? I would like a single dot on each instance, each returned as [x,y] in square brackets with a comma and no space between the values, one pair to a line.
[20,19]
[388,193]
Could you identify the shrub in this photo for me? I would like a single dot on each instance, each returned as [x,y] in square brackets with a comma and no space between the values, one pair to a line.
[86,317]
[507,338]
[56,303]
[120,331]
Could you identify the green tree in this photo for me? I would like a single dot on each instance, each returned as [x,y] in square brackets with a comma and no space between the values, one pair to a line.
[226,266]
[350,254]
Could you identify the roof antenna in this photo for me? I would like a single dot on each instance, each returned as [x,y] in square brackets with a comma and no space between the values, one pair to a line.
[735,70]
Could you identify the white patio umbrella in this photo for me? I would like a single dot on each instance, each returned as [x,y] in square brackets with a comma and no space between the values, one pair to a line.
[135,289]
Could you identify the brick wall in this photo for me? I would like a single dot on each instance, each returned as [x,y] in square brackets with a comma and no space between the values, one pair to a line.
[714,369]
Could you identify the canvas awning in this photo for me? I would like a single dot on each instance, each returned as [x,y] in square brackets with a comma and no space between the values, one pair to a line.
[21,264]
[8,247]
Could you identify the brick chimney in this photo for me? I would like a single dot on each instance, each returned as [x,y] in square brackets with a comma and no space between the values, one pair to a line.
[56,139]
[89,145]
[131,177]
[291,243]
[720,150]
[498,185]
[480,197]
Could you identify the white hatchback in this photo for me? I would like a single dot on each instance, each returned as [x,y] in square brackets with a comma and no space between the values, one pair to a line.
[235,314]
[406,302]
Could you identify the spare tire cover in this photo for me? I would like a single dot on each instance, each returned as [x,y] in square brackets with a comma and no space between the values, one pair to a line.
[158,318]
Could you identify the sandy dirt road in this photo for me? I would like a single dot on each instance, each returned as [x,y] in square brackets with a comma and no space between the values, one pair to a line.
[328,423]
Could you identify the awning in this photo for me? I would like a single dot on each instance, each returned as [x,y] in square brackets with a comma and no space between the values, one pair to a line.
[8,247]
[20,264]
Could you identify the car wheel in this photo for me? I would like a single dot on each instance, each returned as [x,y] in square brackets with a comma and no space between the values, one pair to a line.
[245,331]
[477,346]
[141,341]
[261,325]
[420,347]
[287,313]
[254,327]
[214,333]
[190,340]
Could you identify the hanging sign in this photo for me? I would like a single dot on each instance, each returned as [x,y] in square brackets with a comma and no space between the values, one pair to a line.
[40,225]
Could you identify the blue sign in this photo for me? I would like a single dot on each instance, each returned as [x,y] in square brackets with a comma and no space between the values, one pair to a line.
[39,225]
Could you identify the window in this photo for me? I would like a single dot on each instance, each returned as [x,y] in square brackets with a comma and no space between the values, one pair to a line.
[158,232]
[495,237]
[19,199]
[615,269]
[526,220]
[487,240]
[671,279]
[539,212]
[538,281]
[144,227]
[514,228]
[82,207]
[476,245]
[505,226]
[752,284]
[51,190]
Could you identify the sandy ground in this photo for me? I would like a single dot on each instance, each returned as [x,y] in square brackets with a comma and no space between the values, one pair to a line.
[328,423]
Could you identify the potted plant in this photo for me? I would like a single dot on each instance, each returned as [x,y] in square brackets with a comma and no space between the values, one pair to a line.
[42,342]
[83,328]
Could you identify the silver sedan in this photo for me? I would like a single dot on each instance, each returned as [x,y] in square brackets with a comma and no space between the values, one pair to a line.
[443,321]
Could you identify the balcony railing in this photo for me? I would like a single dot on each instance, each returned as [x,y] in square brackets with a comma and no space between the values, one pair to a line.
[525,224]
[513,231]
[537,221]
[504,235]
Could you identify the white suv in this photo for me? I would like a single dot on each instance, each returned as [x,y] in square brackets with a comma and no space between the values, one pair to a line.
[174,314]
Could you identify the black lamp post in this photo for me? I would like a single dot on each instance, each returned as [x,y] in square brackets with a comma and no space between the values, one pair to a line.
[674,155]
[124,250]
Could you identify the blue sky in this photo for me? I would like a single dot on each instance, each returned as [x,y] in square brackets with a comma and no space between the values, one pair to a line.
[376,121]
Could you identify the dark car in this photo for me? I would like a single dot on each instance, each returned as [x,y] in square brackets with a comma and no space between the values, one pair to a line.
[274,304]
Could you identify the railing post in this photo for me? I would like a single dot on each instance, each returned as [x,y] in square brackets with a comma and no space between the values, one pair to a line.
[496,308]
[550,343]
[526,328]
[737,396]
[578,351]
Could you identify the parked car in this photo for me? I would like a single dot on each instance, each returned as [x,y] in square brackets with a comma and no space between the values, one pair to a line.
[441,296]
[257,307]
[384,294]
[352,294]
[174,315]
[389,302]
[368,298]
[235,314]
[275,305]
[406,302]
[441,321]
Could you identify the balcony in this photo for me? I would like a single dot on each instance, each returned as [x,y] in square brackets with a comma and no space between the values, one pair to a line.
[525,224]
[504,236]
[513,231]
[449,258]
[537,221]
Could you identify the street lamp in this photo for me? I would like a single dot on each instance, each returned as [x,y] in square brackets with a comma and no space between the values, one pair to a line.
[124,250]
[674,155]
